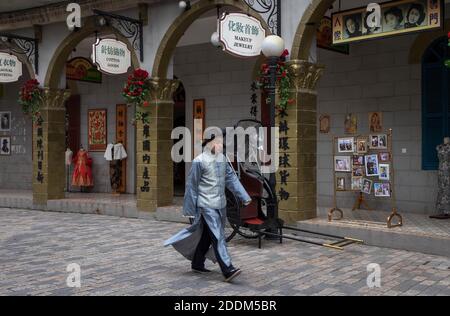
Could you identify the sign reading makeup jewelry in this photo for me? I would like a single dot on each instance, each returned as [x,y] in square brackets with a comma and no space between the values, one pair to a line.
[10,68]
[112,56]
[241,34]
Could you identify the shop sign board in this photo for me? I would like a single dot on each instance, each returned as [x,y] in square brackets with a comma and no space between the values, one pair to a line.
[241,35]
[111,56]
[10,68]
[395,18]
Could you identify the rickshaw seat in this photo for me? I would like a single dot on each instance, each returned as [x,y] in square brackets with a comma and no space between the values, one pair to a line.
[254,221]
[254,188]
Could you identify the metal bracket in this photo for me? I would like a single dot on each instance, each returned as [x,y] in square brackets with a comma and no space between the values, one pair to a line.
[26,45]
[128,27]
[270,10]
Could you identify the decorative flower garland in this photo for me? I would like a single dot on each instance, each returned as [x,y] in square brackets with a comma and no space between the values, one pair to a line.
[30,99]
[283,82]
[135,92]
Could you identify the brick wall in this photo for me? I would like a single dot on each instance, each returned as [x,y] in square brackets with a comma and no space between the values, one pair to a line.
[376,76]
[16,169]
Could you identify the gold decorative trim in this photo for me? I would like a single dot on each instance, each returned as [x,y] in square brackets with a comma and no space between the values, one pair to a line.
[162,89]
[52,99]
[304,75]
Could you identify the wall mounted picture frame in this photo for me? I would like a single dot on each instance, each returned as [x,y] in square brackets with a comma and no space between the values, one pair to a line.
[366,186]
[375,122]
[97,129]
[358,160]
[382,189]
[324,124]
[5,121]
[372,167]
[346,145]
[357,183]
[342,164]
[384,171]
[378,141]
[384,157]
[5,146]
[358,171]
[351,124]
[340,184]
[361,145]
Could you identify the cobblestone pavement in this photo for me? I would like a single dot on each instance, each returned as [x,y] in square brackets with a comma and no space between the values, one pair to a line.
[121,256]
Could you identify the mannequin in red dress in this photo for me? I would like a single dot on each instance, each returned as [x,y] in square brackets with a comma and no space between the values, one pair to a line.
[82,174]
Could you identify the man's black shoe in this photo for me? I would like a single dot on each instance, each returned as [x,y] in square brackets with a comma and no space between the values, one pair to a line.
[232,274]
[201,270]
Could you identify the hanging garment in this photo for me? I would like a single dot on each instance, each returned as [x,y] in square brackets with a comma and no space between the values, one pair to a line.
[205,199]
[443,199]
[69,157]
[119,152]
[82,174]
[109,152]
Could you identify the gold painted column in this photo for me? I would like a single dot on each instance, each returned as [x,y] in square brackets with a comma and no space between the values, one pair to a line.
[296,177]
[154,146]
[49,142]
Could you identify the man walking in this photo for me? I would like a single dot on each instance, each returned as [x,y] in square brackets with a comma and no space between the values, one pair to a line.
[205,200]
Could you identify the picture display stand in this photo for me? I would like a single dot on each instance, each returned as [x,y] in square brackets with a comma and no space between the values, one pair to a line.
[371,175]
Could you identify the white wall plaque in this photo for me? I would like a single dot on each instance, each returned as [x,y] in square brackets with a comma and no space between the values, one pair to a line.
[111,56]
[10,68]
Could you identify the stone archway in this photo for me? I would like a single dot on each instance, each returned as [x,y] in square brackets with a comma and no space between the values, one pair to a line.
[49,134]
[424,40]
[160,111]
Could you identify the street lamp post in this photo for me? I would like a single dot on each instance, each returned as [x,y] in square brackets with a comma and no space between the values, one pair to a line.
[273,47]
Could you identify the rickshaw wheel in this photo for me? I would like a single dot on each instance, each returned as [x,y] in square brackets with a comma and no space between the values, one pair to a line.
[233,216]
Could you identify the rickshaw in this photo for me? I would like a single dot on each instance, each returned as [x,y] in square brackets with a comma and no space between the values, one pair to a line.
[260,218]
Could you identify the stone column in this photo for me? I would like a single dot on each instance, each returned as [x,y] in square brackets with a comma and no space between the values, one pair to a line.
[49,142]
[297,172]
[154,145]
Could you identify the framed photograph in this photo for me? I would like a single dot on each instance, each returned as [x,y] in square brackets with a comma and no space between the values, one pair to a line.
[361,145]
[357,183]
[358,160]
[375,122]
[384,172]
[384,157]
[373,142]
[5,146]
[342,164]
[397,18]
[340,184]
[324,124]
[346,145]
[351,123]
[324,38]
[382,189]
[358,171]
[366,186]
[372,168]
[5,121]
[382,141]
[97,130]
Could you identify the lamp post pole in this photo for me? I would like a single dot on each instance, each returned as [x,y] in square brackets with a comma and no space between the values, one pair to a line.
[273,63]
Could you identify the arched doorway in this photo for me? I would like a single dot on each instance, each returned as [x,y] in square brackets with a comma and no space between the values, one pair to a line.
[200,82]
[56,93]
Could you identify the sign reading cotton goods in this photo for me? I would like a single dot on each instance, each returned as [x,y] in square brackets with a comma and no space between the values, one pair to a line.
[10,68]
[241,35]
[111,56]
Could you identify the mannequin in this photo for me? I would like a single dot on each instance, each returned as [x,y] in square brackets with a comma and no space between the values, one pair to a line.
[443,199]
[69,157]
[82,175]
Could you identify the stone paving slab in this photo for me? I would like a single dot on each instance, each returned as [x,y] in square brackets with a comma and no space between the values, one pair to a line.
[123,256]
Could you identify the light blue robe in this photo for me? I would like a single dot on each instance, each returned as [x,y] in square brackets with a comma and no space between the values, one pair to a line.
[205,196]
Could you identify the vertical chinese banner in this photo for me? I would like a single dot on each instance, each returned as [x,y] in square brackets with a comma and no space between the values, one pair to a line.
[145,188]
[40,151]
[199,125]
[283,192]
[121,137]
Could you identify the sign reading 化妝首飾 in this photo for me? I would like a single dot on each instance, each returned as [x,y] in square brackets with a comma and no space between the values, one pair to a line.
[395,17]
[10,68]
[241,35]
[111,56]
